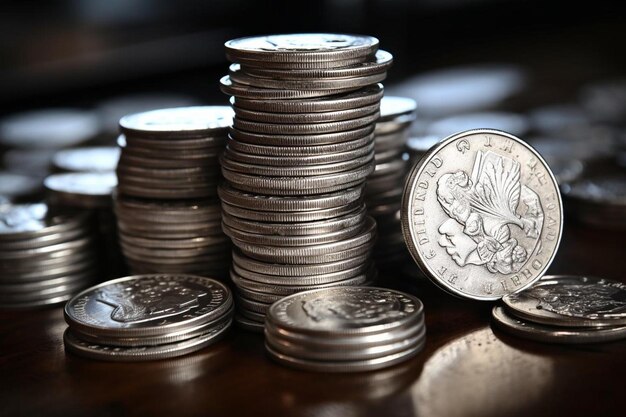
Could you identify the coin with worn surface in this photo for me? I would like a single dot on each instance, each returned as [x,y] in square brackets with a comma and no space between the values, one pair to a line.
[482,214]
[179,122]
[345,311]
[554,334]
[301,47]
[571,301]
[147,305]
[142,353]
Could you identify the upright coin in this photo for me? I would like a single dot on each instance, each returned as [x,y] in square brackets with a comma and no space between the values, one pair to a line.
[572,301]
[482,214]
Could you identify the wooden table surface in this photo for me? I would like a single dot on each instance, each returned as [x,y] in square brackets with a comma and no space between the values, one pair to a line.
[466,368]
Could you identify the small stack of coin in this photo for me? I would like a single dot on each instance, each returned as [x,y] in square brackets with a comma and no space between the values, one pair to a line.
[566,309]
[167,207]
[346,329]
[383,192]
[147,317]
[298,154]
[90,192]
[598,201]
[45,257]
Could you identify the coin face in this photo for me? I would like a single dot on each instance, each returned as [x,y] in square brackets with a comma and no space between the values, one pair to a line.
[573,301]
[482,214]
[345,310]
[147,305]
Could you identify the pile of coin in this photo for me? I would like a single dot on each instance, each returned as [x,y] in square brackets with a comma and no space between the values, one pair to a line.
[598,201]
[347,329]
[147,317]
[383,192]
[298,154]
[45,257]
[566,309]
[167,207]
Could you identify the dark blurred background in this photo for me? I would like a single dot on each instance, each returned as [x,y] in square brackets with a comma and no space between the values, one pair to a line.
[79,52]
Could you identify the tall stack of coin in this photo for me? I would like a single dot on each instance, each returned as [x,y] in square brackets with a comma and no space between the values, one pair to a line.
[147,317]
[566,309]
[383,192]
[45,257]
[167,207]
[345,329]
[299,152]
[90,192]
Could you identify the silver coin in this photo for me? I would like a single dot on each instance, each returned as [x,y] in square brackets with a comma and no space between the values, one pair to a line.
[46,273]
[298,170]
[299,185]
[128,160]
[382,62]
[354,99]
[198,209]
[307,228]
[305,128]
[147,305]
[301,149]
[237,75]
[553,334]
[345,311]
[169,173]
[393,106]
[305,240]
[251,315]
[230,87]
[135,251]
[302,118]
[304,65]
[57,250]
[300,351]
[301,47]
[251,305]
[286,270]
[298,254]
[178,122]
[345,366]
[142,353]
[41,241]
[190,243]
[238,198]
[571,301]
[158,340]
[327,278]
[396,125]
[191,145]
[360,280]
[291,216]
[166,194]
[178,231]
[258,296]
[482,214]
[94,159]
[82,189]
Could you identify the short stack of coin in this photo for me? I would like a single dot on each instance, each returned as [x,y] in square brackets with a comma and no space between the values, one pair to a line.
[299,152]
[347,329]
[566,309]
[383,192]
[598,201]
[147,317]
[167,207]
[45,257]
[90,192]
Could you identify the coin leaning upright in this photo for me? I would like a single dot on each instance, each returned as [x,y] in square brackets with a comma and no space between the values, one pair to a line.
[482,214]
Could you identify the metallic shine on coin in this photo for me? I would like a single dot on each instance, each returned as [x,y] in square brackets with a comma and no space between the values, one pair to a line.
[482,214]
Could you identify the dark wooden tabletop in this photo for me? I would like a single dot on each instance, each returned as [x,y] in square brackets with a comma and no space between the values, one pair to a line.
[466,368]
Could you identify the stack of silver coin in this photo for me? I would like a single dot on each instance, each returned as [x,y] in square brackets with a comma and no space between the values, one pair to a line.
[167,207]
[147,317]
[299,152]
[383,192]
[566,309]
[90,192]
[598,201]
[345,329]
[45,257]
